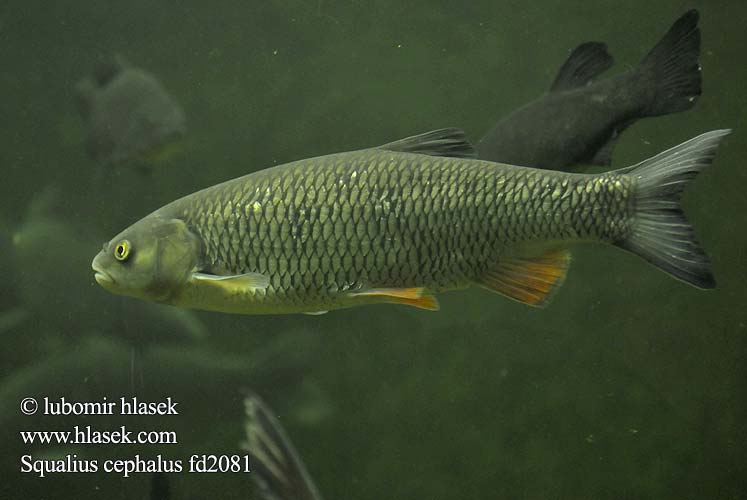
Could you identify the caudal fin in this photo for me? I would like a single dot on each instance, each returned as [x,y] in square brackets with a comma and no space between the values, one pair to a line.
[660,233]
[672,68]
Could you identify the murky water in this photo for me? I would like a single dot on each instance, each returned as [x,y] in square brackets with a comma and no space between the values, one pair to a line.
[628,385]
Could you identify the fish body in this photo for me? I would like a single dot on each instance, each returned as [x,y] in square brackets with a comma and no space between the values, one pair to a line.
[129,114]
[579,120]
[324,230]
[397,224]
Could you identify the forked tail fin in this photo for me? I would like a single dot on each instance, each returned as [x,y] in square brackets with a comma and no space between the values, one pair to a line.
[660,233]
[672,68]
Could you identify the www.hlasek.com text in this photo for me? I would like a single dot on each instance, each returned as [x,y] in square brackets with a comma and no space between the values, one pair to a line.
[89,435]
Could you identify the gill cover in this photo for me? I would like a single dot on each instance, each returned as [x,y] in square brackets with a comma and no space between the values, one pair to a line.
[176,255]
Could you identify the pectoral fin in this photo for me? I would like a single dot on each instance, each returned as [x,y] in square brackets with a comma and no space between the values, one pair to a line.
[236,282]
[529,280]
[416,297]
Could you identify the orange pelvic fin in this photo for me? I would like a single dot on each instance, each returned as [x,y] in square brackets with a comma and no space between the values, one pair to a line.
[529,280]
[416,297]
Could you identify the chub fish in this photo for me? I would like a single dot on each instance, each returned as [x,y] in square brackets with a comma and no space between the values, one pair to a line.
[399,223]
[579,120]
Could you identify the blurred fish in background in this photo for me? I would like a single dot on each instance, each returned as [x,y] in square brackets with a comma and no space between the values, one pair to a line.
[44,253]
[277,469]
[129,115]
[48,276]
[578,122]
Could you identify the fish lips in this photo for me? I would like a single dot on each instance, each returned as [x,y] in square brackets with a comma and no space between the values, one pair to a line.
[100,275]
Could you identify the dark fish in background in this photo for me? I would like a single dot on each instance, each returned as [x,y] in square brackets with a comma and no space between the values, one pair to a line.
[129,114]
[399,223]
[579,120]
[277,470]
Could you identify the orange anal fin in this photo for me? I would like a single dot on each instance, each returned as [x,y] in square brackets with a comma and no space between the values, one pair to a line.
[529,280]
[416,297]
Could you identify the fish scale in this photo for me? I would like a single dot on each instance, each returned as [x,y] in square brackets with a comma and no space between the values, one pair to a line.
[399,223]
[378,218]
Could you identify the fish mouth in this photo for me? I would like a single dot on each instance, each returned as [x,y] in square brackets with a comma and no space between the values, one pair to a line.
[100,275]
[103,278]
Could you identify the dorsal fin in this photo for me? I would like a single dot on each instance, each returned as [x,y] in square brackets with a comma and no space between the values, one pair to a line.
[443,142]
[586,62]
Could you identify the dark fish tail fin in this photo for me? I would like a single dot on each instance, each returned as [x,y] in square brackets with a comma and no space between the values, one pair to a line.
[277,469]
[672,68]
[659,231]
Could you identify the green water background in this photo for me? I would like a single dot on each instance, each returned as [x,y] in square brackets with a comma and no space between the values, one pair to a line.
[630,385]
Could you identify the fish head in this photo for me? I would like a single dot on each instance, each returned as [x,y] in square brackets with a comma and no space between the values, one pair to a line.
[152,259]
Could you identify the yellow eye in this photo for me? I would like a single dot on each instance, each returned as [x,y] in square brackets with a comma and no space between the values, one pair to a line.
[122,250]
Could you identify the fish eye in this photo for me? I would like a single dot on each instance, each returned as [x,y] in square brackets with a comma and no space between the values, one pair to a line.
[122,250]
